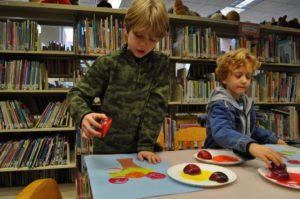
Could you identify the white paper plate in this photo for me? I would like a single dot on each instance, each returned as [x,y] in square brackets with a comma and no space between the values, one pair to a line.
[176,172]
[292,183]
[218,152]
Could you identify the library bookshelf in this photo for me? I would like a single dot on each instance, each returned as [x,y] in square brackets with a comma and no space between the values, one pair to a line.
[191,40]
[37,135]
[275,86]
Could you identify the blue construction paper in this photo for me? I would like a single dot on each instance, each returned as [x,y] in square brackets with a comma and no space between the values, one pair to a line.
[99,166]
[289,153]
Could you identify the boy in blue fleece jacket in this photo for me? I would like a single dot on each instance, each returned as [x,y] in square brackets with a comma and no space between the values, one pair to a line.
[231,117]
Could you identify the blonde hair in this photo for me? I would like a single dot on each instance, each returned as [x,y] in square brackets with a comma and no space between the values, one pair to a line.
[235,59]
[144,14]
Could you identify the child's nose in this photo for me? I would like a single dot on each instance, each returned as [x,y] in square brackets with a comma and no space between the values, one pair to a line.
[144,43]
[244,79]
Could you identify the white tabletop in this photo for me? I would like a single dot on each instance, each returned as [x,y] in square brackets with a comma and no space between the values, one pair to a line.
[249,184]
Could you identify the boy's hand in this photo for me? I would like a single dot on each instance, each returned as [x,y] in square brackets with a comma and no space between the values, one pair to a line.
[89,125]
[281,142]
[150,156]
[266,154]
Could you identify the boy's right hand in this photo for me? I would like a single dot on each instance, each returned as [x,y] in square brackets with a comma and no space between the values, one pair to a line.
[266,154]
[90,123]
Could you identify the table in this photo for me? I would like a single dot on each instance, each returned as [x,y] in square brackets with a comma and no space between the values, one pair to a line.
[249,184]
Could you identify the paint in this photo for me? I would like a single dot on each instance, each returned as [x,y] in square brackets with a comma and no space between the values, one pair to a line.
[225,158]
[293,182]
[204,176]
[293,161]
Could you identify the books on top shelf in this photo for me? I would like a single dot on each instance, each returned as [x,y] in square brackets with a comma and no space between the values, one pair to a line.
[273,48]
[287,51]
[195,42]
[18,35]
[164,44]
[99,35]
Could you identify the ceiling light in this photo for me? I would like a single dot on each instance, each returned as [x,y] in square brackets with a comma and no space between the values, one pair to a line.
[225,10]
[115,3]
[244,3]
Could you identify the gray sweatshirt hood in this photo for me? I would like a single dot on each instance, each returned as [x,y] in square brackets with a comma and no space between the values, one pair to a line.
[220,93]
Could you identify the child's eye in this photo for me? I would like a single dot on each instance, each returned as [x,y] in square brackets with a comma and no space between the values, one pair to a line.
[238,75]
[138,34]
[249,76]
[153,40]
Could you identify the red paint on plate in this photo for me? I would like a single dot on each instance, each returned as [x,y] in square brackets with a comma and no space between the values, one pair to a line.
[294,179]
[225,158]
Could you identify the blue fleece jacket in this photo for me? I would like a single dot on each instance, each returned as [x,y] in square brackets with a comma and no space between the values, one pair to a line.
[232,127]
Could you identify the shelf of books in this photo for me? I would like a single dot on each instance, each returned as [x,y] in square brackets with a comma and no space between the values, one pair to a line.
[28,63]
[37,134]
[34,138]
[195,43]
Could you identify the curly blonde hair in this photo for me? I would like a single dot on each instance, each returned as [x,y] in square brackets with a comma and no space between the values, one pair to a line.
[235,59]
[143,14]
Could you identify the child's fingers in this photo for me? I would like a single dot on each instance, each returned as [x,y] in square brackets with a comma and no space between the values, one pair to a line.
[153,159]
[275,158]
[93,132]
[266,161]
[84,136]
[84,133]
[140,157]
[94,119]
[89,132]
[156,159]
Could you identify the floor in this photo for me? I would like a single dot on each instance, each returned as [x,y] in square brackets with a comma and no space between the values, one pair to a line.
[68,191]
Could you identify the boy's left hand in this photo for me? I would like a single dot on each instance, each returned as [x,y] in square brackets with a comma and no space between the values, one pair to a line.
[151,157]
[282,142]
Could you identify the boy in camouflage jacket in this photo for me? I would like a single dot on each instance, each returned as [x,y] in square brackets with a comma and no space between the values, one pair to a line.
[133,85]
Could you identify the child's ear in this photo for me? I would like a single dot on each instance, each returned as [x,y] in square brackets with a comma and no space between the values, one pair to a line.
[125,33]
[224,82]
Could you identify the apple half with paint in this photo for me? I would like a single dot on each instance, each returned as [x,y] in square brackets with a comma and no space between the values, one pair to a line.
[219,177]
[279,172]
[192,169]
[204,154]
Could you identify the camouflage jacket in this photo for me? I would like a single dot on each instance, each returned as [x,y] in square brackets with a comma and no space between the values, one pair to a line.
[134,95]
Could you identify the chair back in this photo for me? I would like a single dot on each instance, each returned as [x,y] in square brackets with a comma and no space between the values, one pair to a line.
[188,136]
[41,189]
[161,140]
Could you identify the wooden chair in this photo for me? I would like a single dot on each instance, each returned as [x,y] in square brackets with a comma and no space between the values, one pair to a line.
[188,136]
[161,140]
[41,189]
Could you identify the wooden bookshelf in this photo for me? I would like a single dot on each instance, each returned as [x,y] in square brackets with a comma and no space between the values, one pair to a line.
[61,129]
[48,91]
[34,96]
[71,165]
[68,15]
[47,53]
